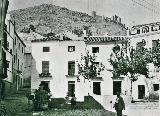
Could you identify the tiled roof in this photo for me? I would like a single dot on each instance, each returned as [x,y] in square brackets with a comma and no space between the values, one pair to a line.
[51,39]
[105,39]
[86,39]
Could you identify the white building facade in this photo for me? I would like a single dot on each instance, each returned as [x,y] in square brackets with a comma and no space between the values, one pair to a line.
[55,63]
[59,58]
[18,61]
[146,36]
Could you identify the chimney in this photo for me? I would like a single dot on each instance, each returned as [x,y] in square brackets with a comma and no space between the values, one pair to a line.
[61,37]
[84,33]
[93,14]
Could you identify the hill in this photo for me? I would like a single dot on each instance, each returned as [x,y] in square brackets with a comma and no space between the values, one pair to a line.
[48,18]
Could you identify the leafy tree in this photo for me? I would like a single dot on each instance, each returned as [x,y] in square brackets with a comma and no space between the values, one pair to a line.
[130,62]
[88,67]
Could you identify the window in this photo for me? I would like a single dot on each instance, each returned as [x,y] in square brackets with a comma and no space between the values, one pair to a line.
[22,49]
[95,49]
[18,64]
[15,41]
[71,67]
[45,85]
[71,88]
[7,45]
[7,63]
[156,87]
[116,87]
[155,45]
[141,91]
[97,88]
[19,46]
[46,49]
[10,51]
[45,66]
[138,31]
[16,56]
[14,59]
[71,48]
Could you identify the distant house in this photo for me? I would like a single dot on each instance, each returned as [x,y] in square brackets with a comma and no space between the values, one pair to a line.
[146,36]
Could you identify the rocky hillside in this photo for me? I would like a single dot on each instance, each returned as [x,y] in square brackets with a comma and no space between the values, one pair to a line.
[48,18]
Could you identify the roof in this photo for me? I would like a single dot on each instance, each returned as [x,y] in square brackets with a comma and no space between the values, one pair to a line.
[53,39]
[19,38]
[149,24]
[105,39]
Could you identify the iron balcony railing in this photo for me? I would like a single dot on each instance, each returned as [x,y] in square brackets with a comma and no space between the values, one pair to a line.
[45,75]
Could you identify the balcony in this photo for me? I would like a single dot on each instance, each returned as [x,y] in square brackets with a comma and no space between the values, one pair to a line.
[97,78]
[45,75]
[71,76]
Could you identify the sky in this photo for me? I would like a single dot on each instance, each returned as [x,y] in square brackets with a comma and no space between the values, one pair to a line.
[132,12]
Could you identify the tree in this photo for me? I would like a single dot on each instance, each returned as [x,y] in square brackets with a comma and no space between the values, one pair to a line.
[88,67]
[130,62]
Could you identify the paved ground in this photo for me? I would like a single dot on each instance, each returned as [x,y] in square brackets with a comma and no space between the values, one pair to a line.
[144,109]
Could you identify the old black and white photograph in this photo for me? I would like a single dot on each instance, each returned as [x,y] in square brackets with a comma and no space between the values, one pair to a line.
[79,57]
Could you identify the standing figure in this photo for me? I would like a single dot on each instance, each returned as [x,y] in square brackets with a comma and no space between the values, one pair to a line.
[119,105]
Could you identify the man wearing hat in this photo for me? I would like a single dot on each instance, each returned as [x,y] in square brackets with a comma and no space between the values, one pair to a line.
[119,105]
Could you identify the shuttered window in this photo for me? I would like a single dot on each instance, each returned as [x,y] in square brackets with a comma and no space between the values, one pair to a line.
[71,67]
[45,66]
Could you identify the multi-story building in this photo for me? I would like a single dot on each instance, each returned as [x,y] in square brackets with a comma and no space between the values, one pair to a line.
[8,51]
[56,66]
[13,51]
[18,61]
[146,36]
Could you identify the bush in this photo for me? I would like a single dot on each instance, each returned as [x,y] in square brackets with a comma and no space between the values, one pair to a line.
[152,96]
[41,99]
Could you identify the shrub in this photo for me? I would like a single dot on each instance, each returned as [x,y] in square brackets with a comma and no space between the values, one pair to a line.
[152,96]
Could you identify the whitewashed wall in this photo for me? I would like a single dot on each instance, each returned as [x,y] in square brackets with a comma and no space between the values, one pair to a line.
[58,58]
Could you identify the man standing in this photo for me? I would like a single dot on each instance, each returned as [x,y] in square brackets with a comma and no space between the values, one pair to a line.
[119,105]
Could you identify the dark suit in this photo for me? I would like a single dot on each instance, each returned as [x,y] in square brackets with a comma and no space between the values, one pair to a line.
[119,106]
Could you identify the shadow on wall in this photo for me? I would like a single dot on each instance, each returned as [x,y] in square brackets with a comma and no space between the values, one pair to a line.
[35,82]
